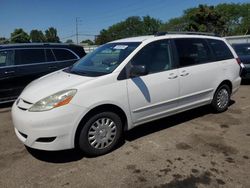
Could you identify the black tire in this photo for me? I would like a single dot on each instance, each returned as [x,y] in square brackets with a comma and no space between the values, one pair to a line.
[217,107]
[84,143]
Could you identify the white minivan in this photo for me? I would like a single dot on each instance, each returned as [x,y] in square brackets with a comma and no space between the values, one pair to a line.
[121,85]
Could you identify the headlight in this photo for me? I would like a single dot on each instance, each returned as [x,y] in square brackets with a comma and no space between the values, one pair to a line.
[56,100]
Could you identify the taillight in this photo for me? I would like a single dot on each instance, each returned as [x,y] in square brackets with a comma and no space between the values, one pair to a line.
[238,61]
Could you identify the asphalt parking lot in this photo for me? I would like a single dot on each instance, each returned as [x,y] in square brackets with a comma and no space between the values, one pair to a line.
[193,149]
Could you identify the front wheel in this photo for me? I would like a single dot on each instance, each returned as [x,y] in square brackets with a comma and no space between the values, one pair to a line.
[100,134]
[221,99]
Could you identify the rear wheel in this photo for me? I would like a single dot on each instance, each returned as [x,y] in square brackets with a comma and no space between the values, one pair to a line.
[221,99]
[100,134]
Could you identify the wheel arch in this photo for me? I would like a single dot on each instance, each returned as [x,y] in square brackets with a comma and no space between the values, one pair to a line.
[225,82]
[101,108]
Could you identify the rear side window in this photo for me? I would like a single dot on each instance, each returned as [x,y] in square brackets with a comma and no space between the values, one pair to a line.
[192,51]
[63,54]
[29,56]
[220,50]
[49,55]
[6,58]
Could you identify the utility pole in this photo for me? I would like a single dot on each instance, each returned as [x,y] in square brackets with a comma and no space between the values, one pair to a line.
[77,30]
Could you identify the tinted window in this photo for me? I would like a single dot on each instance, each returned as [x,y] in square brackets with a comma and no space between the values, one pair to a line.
[49,55]
[242,49]
[192,51]
[29,56]
[6,58]
[220,49]
[62,54]
[78,50]
[155,56]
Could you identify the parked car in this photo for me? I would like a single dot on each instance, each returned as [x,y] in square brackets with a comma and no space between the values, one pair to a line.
[121,85]
[243,51]
[22,63]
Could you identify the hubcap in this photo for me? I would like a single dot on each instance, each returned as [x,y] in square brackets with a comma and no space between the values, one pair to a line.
[102,133]
[222,98]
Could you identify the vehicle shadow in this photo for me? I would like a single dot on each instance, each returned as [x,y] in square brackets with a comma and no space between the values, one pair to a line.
[63,156]
[171,121]
[245,82]
[6,105]
[71,155]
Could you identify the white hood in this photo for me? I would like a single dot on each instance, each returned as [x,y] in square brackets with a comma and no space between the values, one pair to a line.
[50,84]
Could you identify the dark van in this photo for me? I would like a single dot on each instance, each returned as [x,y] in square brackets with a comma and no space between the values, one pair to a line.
[22,63]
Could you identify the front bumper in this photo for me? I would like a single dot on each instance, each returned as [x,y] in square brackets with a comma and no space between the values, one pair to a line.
[48,130]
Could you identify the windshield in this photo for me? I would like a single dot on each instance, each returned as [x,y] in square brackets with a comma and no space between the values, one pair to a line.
[104,59]
[242,50]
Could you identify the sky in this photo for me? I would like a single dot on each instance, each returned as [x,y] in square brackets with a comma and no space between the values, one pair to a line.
[92,16]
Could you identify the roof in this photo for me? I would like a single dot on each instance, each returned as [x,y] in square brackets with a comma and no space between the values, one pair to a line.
[154,37]
[22,45]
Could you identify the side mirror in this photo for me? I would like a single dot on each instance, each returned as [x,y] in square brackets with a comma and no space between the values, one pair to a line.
[138,70]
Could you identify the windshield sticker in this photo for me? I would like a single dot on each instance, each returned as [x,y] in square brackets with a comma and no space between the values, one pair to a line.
[120,47]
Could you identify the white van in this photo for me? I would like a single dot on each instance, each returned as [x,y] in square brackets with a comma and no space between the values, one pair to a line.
[123,84]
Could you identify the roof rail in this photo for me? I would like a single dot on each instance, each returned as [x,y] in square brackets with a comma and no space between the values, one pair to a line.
[185,33]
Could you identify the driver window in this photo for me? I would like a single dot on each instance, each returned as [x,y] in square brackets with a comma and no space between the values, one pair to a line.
[155,56]
[6,58]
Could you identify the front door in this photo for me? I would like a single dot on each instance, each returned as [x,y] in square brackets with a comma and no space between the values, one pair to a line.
[154,95]
[7,76]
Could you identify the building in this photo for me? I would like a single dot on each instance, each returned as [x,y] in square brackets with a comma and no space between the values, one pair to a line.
[238,39]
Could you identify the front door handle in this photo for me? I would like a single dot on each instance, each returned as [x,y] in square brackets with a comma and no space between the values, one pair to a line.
[9,72]
[184,73]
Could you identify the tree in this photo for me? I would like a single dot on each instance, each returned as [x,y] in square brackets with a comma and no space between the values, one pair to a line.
[175,24]
[4,40]
[69,41]
[88,41]
[19,36]
[236,16]
[205,19]
[223,19]
[37,36]
[51,35]
[132,26]
[151,25]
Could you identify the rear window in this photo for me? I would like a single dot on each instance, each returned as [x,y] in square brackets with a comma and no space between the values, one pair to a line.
[78,50]
[63,54]
[29,56]
[192,51]
[220,50]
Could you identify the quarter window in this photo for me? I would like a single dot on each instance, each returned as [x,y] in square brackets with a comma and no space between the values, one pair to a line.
[6,58]
[155,56]
[220,49]
[192,51]
[62,54]
[29,56]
